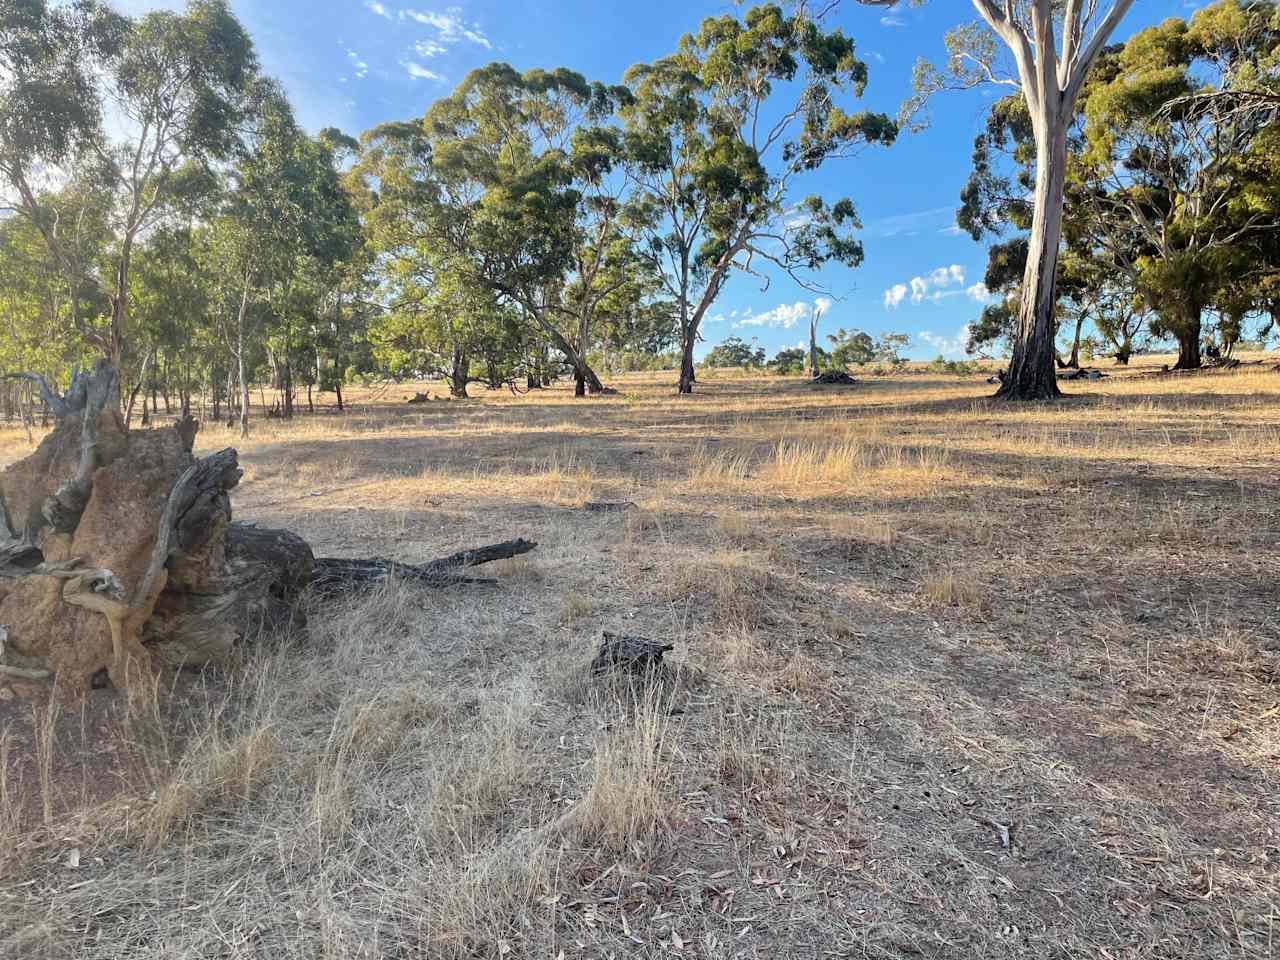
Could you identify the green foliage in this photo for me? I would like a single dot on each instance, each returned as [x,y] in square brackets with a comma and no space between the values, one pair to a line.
[792,360]
[955,368]
[714,182]
[735,352]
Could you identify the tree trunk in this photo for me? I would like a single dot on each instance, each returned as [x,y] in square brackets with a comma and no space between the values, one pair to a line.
[1189,345]
[338,372]
[813,347]
[687,378]
[579,384]
[458,374]
[133,394]
[1031,374]
[1074,361]
[243,383]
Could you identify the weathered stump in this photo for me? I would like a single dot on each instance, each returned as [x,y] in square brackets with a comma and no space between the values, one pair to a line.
[117,552]
[625,654]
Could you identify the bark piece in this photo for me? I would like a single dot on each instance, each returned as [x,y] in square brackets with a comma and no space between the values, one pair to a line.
[619,652]
[607,506]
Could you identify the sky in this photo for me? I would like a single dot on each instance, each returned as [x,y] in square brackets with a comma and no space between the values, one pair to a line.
[356,63]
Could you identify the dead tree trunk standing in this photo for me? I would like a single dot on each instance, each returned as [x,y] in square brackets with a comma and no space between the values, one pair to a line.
[117,552]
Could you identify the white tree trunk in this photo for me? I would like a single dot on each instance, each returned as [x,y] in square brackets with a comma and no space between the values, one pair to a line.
[1032,374]
[244,386]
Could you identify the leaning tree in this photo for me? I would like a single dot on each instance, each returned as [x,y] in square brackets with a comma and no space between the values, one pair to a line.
[717,136]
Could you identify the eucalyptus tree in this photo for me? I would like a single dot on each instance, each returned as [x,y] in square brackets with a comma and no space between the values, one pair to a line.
[507,183]
[51,59]
[1183,193]
[175,85]
[286,206]
[1054,45]
[37,304]
[719,132]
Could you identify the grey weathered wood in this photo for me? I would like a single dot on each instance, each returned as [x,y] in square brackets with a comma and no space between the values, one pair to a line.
[619,652]
[337,575]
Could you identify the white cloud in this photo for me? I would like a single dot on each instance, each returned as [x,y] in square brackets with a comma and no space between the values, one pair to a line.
[419,72]
[894,296]
[952,231]
[947,346]
[979,292]
[934,287]
[379,9]
[889,20]
[877,57]
[428,49]
[945,276]
[450,26]
[718,318]
[784,315]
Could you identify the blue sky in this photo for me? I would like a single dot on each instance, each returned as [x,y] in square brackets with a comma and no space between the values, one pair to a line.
[355,63]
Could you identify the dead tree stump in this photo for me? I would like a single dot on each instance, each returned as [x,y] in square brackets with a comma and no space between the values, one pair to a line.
[117,552]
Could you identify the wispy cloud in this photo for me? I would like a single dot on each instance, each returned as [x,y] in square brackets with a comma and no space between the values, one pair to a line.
[907,223]
[358,66]
[428,49]
[979,292]
[377,8]
[418,72]
[449,26]
[890,20]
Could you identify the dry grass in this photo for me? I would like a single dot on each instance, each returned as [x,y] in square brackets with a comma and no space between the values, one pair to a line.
[951,679]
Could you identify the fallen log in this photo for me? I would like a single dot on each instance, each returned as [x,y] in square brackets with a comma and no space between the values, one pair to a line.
[337,575]
[118,552]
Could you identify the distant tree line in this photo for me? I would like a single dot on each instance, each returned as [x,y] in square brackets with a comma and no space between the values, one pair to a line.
[539,224]
[527,226]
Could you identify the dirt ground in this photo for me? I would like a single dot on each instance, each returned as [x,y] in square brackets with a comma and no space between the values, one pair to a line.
[951,678]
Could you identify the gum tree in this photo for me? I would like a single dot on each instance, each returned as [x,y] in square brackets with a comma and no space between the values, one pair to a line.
[1054,44]
[175,85]
[719,132]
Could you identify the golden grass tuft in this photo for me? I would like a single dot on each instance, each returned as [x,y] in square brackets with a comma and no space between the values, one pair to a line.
[734,587]
[215,774]
[854,463]
[953,589]
[626,801]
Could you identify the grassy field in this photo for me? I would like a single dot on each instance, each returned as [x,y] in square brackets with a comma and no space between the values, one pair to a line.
[951,678]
